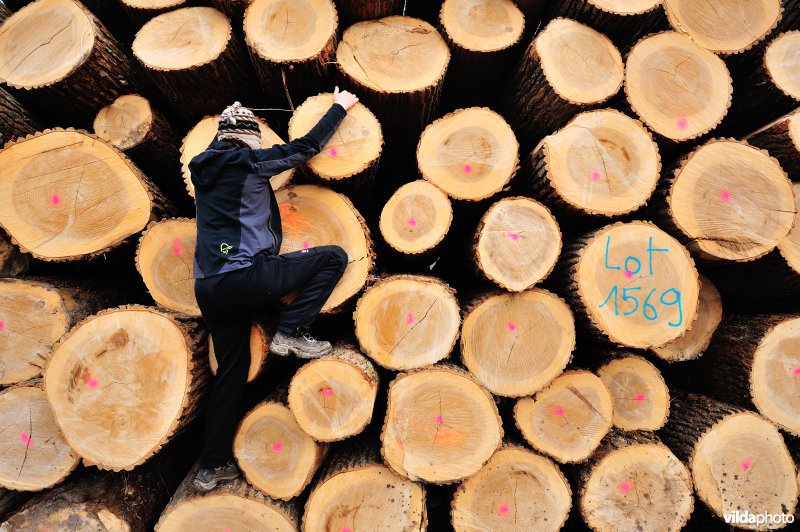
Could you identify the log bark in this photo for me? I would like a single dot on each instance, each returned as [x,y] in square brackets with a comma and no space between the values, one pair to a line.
[567,68]
[124,381]
[781,139]
[231,504]
[600,166]
[498,345]
[233,8]
[630,284]
[396,65]
[353,11]
[516,485]
[633,481]
[15,120]
[261,334]
[639,393]
[68,195]
[12,261]
[416,219]
[5,12]
[407,321]
[471,154]
[679,89]
[195,60]
[333,397]
[164,259]
[35,455]
[484,38]
[36,312]
[291,65]
[568,419]
[441,426]
[272,451]
[353,479]
[727,201]
[58,66]
[738,460]
[141,11]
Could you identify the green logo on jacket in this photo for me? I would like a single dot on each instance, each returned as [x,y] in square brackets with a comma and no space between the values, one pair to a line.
[225,248]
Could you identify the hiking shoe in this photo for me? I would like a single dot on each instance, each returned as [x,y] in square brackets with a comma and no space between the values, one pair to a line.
[302,345]
[208,477]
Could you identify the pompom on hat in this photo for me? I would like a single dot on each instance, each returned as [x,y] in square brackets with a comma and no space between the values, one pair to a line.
[237,123]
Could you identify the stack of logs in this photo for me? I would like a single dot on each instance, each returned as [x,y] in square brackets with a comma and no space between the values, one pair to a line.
[573,279]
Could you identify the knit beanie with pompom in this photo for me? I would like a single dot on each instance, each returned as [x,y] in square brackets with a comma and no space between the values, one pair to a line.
[238,123]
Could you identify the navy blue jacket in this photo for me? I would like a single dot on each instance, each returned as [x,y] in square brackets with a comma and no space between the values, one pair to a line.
[237,213]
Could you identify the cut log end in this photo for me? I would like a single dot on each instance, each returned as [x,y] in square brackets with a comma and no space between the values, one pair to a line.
[518,243]
[35,455]
[66,194]
[260,338]
[638,285]
[781,63]
[709,315]
[602,162]
[732,200]
[727,26]
[567,419]
[562,49]
[642,486]
[741,464]
[126,122]
[312,24]
[204,132]
[393,54]
[516,488]
[317,216]
[441,426]
[47,53]
[354,147]
[635,7]
[332,398]
[497,341]
[182,39]
[789,247]
[164,259]
[416,218]
[655,86]
[482,26]
[471,153]
[641,397]
[274,453]
[407,321]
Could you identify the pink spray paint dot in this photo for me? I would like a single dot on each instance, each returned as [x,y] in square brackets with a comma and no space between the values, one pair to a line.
[227,530]
[277,447]
[334,152]
[467,168]
[55,200]
[346,529]
[410,318]
[747,463]
[305,244]
[412,222]
[91,382]
[26,439]
[557,410]
[438,420]
[327,392]
[682,123]
[639,397]
[596,176]
[502,508]
[628,274]
[176,247]
[625,487]
[796,370]
[725,195]
[512,235]
[512,326]
[2,325]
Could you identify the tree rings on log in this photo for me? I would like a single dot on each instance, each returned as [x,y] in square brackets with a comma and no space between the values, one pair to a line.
[123,382]
[407,321]
[164,259]
[274,453]
[636,284]
[416,218]
[471,153]
[781,139]
[730,201]
[479,26]
[780,60]
[641,486]
[126,122]
[724,26]
[709,314]
[316,216]
[441,426]
[332,398]
[680,90]
[516,488]
[641,397]
[261,334]
[351,155]
[66,195]
[203,134]
[35,455]
[517,243]
[567,419]
[601,163]
[515,344]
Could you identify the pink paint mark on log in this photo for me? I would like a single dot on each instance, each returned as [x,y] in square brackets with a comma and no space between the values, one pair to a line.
[557,410]
[346,529]
[512,235]
[277,447]
[596,176]
[625,487]
[176,247]
[628,274]
[305,244]
[502,509]
[26,439]
[55,200]
[512,326]
[2,325]
[91,382]
[227,530]
[725,195]
[796,370]
[467,168]
[334,152]
[639,397]
[409,319]
[412,222]
[327,392]
[438,420]
[747,463]
[682,123]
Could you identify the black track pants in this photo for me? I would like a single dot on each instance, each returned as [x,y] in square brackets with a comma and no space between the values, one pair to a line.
[228,302]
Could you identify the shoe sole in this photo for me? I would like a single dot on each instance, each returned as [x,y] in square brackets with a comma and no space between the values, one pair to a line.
[208,486]
[285,350]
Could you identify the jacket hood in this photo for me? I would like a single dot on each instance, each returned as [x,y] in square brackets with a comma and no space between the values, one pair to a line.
[207,167]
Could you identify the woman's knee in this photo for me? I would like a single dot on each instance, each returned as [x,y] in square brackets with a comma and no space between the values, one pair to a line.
[339,255]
